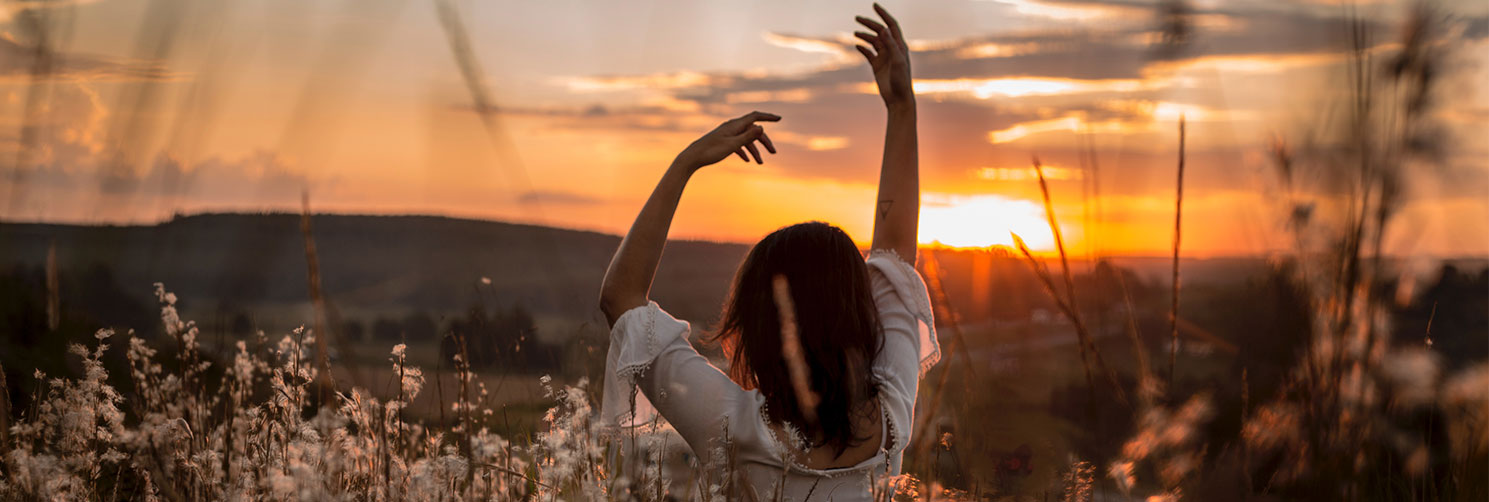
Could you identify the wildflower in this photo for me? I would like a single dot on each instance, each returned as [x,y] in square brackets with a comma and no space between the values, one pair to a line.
[1413,374]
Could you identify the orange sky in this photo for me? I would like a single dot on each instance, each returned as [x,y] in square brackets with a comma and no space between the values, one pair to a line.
[236,105]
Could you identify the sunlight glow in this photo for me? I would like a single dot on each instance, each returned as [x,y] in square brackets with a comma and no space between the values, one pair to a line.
[1016,87]
[982,221]
[609,83]
[824,143]
[786,96]
[1026,173]
[1069,123]
[996,50]
[1016,132]
[1052,11]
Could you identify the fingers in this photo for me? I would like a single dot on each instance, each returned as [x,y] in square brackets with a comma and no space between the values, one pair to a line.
[741,153]
[868,54]
[873,40]
[748,139]
[758,116]
[874,25]
[754,151]
[894,25]
[741,124]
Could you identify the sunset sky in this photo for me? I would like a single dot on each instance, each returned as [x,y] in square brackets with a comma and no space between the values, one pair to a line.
[158,107]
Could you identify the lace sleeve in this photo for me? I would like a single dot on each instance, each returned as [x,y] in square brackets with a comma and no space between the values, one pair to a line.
[653,373]
[910,293]
[638,336]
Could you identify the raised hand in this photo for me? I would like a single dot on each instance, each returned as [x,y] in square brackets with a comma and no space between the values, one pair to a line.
[735,136]
[889,57]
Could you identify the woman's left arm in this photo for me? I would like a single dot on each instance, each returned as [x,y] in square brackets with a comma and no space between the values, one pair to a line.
[629,277]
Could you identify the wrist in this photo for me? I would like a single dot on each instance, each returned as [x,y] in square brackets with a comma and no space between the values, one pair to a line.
[682,168]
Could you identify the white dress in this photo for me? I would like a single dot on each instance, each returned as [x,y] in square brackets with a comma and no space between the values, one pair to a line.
[649,351]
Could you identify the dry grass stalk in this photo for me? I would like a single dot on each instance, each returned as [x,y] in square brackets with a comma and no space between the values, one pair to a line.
[1067,305]
[54,289]
[1049,212]
[949,318]
[1173,351]
[312,262]
[1147,386]
[1083,337]
[4,413]
[796,364]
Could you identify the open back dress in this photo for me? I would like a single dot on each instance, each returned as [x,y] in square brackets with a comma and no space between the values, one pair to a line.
[726,426]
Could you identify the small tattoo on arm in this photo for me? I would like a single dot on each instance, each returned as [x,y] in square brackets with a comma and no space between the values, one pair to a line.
[884,206]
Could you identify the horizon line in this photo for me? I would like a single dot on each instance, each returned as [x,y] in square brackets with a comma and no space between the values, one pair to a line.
[920,245]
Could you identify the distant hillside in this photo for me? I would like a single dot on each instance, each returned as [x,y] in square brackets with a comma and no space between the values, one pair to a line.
[370,264]
[237,272]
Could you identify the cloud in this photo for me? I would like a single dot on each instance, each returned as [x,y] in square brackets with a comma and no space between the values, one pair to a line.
[1018,87]
[840,48]
[599,117]
[1051,173]
[8,10]
[24,62]
[59,166]
[86,192]
[1074,10]
[1121,58]
[62,127]
[611,83]
[557,198]
[990,101]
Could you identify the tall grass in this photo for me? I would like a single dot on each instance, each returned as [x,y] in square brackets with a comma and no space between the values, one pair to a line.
[1067,302]
[1364,417]
[256,434]
[253,430]
[1173,313]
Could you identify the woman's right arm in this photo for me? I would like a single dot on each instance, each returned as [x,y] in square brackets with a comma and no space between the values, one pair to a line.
[628,279]
[897,212]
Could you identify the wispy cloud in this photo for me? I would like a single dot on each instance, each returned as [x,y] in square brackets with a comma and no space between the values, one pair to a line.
[558,198]
[1074,10]
[674,80]
[840,48]
[21,62]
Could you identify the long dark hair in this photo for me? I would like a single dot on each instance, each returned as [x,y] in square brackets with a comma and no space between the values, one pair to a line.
[837,325]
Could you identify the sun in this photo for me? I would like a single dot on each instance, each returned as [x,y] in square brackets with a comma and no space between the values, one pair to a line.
[979,221]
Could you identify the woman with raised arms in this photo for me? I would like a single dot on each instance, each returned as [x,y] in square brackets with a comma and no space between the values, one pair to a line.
[826,348]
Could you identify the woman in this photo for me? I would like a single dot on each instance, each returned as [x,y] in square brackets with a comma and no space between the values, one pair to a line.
[820,396]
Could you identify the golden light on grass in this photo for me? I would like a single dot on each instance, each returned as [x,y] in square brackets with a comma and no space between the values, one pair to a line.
[982,221]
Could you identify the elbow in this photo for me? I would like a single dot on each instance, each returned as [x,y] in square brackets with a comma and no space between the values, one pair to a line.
[608,306]
[614,302]
[608,302]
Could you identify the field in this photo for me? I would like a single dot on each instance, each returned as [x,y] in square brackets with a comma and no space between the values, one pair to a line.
[1175,250]
[1011,408]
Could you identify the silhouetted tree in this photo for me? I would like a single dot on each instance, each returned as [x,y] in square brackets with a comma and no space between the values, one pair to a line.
[505,339]
[241,326]
[385,329]
[419,326]
[353,330]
